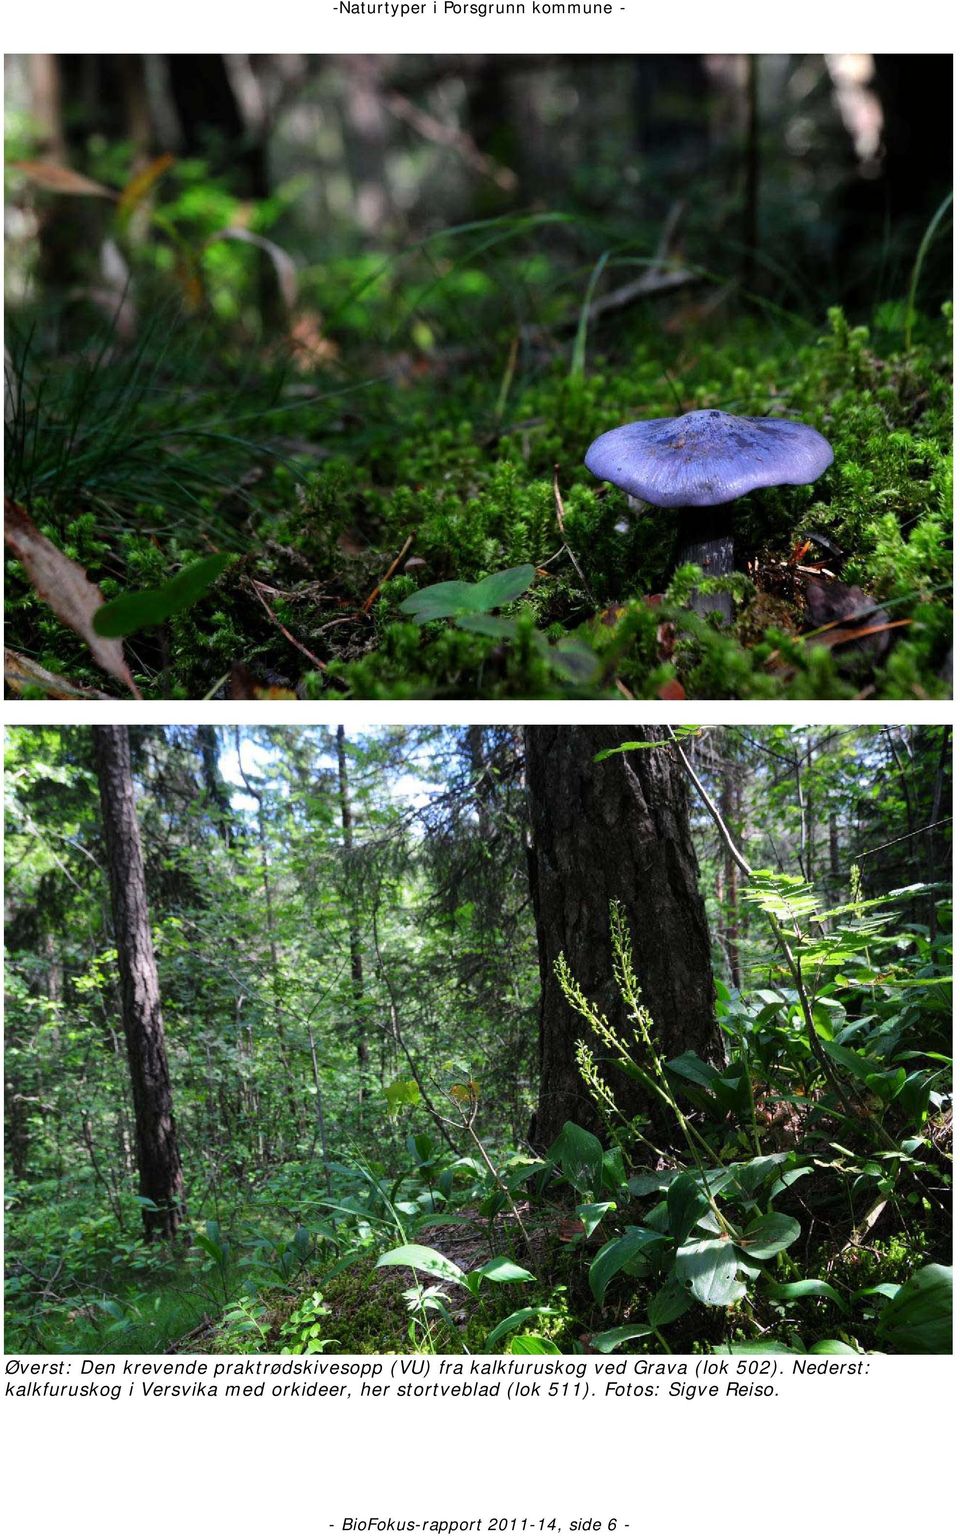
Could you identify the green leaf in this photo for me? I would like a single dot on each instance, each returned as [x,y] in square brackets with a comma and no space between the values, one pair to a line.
[630,746]
[210,1247]
[612,1173]
[709,1270]
[131,611]
[645,1182]
[919,1319]
[515,1320]
[691,1067]
[855,1065]
[686,1203]
[754,1347]
[795,1290]
[487,624]
[451,599]
[415,1256]
[670,1302]
[532,1344]
[580,1157]
[615,1254]
[592,1215]
[769,1235]
[832,1347]
[401,1093]
[503,1271]
[608,1341]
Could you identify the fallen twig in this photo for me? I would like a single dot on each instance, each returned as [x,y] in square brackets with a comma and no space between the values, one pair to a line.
[304,651]
[558,502]
[384,579]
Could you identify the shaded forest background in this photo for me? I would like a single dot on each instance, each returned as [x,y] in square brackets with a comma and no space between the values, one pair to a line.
[798,173]
[356,935]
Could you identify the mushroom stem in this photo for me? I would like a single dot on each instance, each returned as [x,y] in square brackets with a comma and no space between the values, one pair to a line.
[708,542]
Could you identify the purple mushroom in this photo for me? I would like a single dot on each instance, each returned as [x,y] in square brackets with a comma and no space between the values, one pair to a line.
[708,459]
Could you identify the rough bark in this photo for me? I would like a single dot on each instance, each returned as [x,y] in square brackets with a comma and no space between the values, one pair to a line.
[158,1156]
[618,830]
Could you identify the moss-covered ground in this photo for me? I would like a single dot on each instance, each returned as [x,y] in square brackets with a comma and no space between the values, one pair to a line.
[452,468]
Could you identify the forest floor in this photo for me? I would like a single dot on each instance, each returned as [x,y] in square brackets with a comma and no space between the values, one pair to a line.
[261,1292]
[338,505]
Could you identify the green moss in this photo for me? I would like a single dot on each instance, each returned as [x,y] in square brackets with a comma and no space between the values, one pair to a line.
[433,464]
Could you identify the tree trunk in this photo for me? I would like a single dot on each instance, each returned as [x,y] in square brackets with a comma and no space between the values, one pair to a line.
[215,789]
[356,951]
[158,1157]
[275,977]
[618,830]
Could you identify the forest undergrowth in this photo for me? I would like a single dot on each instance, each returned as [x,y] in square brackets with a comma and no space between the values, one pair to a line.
[788,1190]
[343,505]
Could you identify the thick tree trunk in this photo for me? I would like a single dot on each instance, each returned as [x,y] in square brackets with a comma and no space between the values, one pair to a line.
[617,830]
[158,1157]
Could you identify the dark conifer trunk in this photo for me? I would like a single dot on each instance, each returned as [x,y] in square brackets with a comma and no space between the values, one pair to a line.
[158,1157]
[356,950]
[617,830]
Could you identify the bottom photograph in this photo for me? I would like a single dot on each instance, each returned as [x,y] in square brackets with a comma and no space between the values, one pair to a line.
[478,1040]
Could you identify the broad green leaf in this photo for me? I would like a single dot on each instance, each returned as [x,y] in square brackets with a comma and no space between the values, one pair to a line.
[914,1097]
[515,1320]
[855,1065]
[832,1347]
[503,1270]
[615,1254]
[709,1270]
[769,1235]
[451,599]
[401,1093]
[131,611]
[613,1174]
[645,1182]
[750,1176]
[502,587]
[592,1215]
[580,1157]
[608,1341]
[919,1319]
[487,624]
[532,1344]
[691,1067]
[415,1256]
[686,1203]
[670,1302]
[795,1290]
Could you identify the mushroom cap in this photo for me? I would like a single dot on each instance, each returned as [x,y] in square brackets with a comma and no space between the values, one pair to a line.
[707,457]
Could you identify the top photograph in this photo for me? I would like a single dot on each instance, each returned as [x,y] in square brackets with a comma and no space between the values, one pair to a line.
[335,377]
